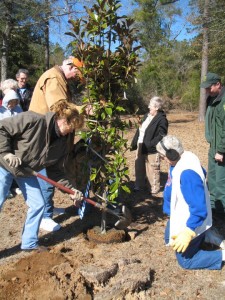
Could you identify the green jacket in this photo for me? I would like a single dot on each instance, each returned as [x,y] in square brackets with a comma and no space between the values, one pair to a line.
[215,123]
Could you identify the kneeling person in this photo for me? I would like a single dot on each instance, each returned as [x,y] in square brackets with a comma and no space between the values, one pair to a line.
[189,208]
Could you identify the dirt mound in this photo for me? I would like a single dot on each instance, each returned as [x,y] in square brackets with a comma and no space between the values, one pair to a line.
[111,236]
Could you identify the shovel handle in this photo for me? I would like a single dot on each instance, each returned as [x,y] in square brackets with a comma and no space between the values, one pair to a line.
[123,221]
[64,188]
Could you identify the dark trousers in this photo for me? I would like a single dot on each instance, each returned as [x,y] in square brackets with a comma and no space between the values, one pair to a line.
[216,183]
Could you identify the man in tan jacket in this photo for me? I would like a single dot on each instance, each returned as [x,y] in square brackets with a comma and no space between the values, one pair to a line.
[52,87]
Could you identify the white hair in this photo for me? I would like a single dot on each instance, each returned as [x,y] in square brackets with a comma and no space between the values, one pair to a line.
[170,142]
[157,102]
[9,84]
[67,61]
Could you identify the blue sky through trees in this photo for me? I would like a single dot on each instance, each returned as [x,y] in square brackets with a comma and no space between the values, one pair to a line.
[182,27]
[58,28]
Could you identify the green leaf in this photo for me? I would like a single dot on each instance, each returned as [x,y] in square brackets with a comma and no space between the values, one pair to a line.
[113,187]
[125,188]
[103,116]
[92,177]
[120,108]
[108,111]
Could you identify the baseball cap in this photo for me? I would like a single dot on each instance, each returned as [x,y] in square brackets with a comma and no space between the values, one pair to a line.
[210,79]
[75,61]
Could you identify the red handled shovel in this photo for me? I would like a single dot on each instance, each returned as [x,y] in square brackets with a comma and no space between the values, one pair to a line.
[124,218]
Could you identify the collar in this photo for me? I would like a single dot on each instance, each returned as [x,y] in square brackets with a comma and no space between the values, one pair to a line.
[59,68]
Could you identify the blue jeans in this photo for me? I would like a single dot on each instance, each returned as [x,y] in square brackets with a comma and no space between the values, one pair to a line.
[196,258]
[34,200]
[47,192]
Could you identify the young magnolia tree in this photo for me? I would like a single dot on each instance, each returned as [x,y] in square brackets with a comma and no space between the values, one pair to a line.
[107,45]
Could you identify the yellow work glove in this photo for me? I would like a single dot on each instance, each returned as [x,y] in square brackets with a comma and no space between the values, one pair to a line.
[182,240]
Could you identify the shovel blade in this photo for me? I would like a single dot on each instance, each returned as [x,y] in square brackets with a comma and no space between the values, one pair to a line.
[125,220]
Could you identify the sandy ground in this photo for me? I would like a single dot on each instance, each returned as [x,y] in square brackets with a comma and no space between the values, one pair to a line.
[141,267]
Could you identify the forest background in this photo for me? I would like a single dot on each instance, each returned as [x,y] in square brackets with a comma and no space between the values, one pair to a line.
[174,55]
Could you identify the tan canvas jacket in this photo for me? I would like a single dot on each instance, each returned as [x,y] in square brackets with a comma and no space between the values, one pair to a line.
[50,88]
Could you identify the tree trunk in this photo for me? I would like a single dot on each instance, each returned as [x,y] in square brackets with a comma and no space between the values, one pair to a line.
[46,35]
[4,59]
[104,217]
[5,43]
[204,69]
[47,45]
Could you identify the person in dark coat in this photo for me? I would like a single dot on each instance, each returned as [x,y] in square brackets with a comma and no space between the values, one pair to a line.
[35,141]
[147,164]
[24,90]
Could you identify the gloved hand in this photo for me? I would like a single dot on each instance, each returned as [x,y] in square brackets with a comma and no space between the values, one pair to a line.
[12,160]
[77,197]
[182,240]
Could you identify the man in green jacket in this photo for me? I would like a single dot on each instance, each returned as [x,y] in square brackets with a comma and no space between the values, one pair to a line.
[215,136]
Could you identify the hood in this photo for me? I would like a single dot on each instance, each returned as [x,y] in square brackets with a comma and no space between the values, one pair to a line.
[11,95]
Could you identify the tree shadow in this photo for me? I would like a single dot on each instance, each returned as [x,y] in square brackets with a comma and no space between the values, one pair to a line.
[78,226]
[146,208]
[10,251]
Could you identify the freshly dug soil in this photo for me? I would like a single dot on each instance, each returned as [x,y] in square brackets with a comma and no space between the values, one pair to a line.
[139,268]
[111,235]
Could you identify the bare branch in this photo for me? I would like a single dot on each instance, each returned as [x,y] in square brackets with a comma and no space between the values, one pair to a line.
[162,2]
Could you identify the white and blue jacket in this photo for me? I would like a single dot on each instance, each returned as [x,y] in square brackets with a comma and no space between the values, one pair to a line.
[190,202]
